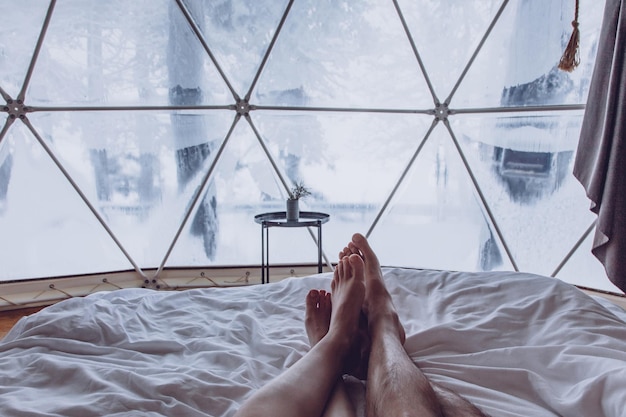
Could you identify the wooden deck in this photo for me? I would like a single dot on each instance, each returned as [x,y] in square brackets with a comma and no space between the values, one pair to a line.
[9,318]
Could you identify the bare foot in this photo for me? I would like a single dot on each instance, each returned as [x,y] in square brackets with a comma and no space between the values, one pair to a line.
[317,316]
[377,303]
[349,250]
[348,292]
[316,322]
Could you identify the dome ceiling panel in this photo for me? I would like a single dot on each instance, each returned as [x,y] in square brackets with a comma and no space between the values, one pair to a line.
[118,53]
[518,68]
[43,217]
[140,170]
[347,160]
[6,163]
[352,55]
[435,218]
[238,33]
[242,174]
[446,34]
[583,268]
[154,111]
[20,30]
[523,164]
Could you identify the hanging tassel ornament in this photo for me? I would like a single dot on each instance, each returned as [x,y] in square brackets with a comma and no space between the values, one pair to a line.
[571,56]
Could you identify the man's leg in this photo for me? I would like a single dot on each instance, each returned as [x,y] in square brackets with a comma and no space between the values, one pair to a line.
[317,321]
[396,386]
[303,390]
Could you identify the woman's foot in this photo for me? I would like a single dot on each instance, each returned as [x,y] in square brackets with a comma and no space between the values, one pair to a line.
[317,315]
[377,303]
[316,322]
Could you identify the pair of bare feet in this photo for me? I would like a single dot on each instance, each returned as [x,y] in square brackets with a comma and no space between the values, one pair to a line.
[360,305]
[354,329]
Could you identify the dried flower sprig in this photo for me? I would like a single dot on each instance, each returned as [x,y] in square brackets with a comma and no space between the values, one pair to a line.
[299,191]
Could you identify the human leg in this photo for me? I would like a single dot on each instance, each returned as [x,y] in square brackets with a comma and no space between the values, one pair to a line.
[396,386]
[303,390]
[317,320]
[452,404]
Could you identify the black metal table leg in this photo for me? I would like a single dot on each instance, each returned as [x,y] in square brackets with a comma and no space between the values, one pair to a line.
[319,246]
[267,255]
[279,219]
[263,253]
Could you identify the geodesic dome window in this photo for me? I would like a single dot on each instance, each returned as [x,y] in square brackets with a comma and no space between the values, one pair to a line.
[146,135]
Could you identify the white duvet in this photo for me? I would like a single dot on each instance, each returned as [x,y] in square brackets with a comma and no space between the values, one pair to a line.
[514,344]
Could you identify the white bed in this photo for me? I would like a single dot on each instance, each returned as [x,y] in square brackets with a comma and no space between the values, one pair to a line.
[514,344]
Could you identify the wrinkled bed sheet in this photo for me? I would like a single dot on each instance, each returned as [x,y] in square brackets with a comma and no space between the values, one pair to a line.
[514,344]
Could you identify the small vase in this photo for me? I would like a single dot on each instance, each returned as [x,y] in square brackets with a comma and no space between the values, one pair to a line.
[293,210]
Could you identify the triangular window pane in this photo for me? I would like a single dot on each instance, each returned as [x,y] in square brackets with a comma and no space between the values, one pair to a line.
[21,25]
[523,165]
[356,55]
[244,184]
[435,220]
[586,270]
[238,33]
[47,229]
[446,35]
[140,170]
[347,160]
[517,64]
[124,53]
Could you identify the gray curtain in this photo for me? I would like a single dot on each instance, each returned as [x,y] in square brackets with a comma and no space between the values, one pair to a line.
[600,163]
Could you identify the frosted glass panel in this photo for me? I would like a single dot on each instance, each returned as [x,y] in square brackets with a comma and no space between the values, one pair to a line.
[328,150]
[343,56]
[239,34]
[140,170]
[435,218]
[517,64]
[351,162]
[18,36]
[446,34]
[47,230]
[584,269]
[122,53]
[6,165]
[244,184]
[523,164]
[176,122]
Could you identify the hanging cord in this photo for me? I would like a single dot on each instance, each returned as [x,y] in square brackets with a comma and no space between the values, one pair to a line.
[571,55]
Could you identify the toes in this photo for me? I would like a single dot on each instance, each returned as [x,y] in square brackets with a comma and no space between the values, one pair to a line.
[325,302]
[358,238]
[312,299]
[345,269]
[353,249]
[357,265]
[347,251]
[360,242]
[350,249]
[339,273]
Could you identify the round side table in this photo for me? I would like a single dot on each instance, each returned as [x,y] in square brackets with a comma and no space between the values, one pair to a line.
[279,219]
